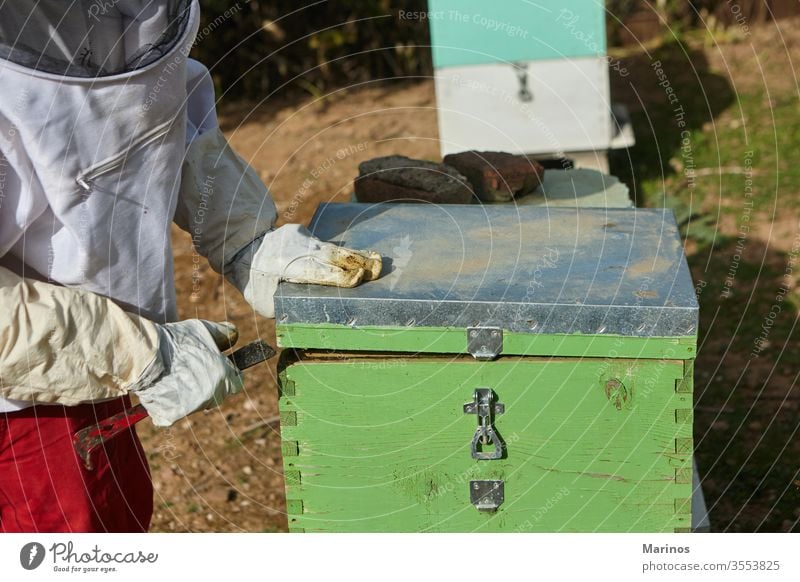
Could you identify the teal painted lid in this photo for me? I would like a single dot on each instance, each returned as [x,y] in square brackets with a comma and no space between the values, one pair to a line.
[476,32]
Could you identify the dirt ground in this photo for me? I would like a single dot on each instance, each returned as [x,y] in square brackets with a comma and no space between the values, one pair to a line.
[221,471]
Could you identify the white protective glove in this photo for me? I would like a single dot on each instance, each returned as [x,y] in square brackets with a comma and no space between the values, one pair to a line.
[230,215]
[291,253]
[197,376]
[60,345]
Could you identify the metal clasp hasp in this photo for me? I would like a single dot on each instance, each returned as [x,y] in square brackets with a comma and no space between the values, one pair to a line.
[485,407]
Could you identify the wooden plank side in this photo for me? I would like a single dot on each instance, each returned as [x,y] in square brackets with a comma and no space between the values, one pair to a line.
[384,445]
[453,341]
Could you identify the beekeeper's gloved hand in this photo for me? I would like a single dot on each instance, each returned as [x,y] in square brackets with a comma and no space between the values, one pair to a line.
[196,376]
[60,345]
[291,253]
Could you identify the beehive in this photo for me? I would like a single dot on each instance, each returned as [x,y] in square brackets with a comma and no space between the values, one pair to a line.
[514,369]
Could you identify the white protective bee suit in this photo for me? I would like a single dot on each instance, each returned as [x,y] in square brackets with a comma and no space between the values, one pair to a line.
[108,135]
[95,168]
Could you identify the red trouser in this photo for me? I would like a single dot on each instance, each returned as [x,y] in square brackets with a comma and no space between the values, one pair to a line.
[44,486]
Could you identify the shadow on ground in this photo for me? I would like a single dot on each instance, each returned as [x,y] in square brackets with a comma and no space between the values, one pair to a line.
[747,444]
[746,397]
[669,92]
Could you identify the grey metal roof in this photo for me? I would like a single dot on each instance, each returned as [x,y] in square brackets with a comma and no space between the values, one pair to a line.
[523,268]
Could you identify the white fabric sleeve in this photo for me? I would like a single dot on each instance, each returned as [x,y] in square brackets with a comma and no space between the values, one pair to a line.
[222,203]
[66,346]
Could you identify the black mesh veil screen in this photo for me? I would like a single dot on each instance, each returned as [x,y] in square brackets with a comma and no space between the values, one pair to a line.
[89,38]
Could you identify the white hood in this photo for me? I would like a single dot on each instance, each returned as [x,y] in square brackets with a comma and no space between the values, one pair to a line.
[92,139]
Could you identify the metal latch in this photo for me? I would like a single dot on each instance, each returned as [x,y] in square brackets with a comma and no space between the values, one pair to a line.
[485,343]
[486,495]
[485,407]
[524,93]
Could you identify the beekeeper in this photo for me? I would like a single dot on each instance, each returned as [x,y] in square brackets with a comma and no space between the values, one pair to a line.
[107,135]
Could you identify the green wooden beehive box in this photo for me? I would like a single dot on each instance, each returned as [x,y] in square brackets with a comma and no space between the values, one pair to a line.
[514,369]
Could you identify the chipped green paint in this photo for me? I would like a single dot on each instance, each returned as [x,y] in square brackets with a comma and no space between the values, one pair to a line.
[380,446]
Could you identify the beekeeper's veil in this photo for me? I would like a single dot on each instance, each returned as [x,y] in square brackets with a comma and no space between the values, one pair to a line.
[89,38]
[94,96]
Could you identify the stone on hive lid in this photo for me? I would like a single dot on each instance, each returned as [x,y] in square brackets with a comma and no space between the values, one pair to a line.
[497,176]
[402,179]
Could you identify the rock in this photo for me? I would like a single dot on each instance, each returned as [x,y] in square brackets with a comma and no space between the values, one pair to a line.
[402,179]
[497,176]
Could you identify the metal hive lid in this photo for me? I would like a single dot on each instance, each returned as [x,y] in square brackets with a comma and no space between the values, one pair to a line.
[522,268]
